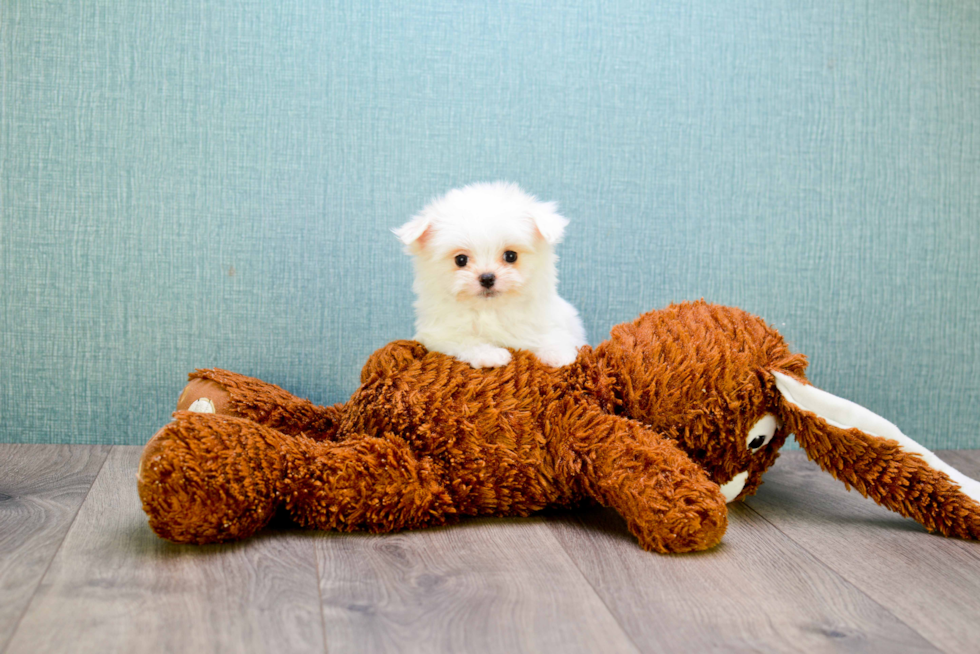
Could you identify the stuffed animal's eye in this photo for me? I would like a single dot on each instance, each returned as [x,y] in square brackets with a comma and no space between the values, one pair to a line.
[762,432]
[510,256]
[461,260]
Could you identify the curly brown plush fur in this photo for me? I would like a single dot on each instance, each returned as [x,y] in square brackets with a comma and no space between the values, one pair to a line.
[651,423]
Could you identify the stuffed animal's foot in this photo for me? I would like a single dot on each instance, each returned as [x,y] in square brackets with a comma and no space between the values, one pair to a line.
[205,396]
[207,478]
[230,394]
[695,520]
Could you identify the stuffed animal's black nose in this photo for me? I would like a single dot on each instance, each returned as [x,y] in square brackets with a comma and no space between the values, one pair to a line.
[487,280]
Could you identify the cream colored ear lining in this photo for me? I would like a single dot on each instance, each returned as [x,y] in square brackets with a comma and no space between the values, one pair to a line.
[845,414]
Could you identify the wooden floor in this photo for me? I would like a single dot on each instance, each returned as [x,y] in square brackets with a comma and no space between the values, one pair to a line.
[805,566]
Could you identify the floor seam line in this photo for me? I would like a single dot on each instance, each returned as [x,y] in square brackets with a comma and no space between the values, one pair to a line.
[319,594]
[571,559]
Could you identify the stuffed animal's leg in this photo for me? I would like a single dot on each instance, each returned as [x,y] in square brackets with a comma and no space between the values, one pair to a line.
[668,501]
[227,393]
[365,483]
[208,478]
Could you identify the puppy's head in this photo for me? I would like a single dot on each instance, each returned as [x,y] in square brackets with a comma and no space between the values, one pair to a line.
[484,241]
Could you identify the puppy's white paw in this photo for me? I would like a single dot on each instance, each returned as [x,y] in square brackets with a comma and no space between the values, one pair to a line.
[486,356]
[557,356]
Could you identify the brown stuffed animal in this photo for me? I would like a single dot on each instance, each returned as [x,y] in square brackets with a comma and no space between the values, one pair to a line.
[677,413]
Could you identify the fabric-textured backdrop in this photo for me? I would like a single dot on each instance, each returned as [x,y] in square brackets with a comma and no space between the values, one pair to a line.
[191,184]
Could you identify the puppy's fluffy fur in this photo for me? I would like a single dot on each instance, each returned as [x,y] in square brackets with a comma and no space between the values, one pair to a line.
[485,277]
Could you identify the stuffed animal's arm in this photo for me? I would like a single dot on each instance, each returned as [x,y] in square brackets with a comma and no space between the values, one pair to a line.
[227,393]
[668,502]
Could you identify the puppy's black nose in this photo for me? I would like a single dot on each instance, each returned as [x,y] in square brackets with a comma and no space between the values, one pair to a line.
[487,280]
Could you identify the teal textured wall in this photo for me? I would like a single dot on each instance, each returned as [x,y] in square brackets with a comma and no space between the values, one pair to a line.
[189,184]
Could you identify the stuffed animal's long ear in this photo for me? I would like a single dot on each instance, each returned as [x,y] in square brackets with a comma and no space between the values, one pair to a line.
[549,223]
[863,450]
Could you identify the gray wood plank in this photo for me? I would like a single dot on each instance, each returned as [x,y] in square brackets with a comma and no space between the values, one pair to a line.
[967,462]
[114,586]
[756,591]
[41,488]
[480,586]
[929,582]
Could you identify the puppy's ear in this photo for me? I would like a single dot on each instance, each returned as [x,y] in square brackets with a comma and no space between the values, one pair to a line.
[867,452]
[414,233]
[549,223]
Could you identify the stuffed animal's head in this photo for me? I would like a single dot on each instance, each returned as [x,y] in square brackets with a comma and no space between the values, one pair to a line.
[702,374]
[727,388]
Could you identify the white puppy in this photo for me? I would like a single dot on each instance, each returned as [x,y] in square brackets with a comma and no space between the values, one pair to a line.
[485,277]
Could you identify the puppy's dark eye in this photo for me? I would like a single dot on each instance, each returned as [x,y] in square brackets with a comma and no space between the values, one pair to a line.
[757,442]
[510,256]
[461,260]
